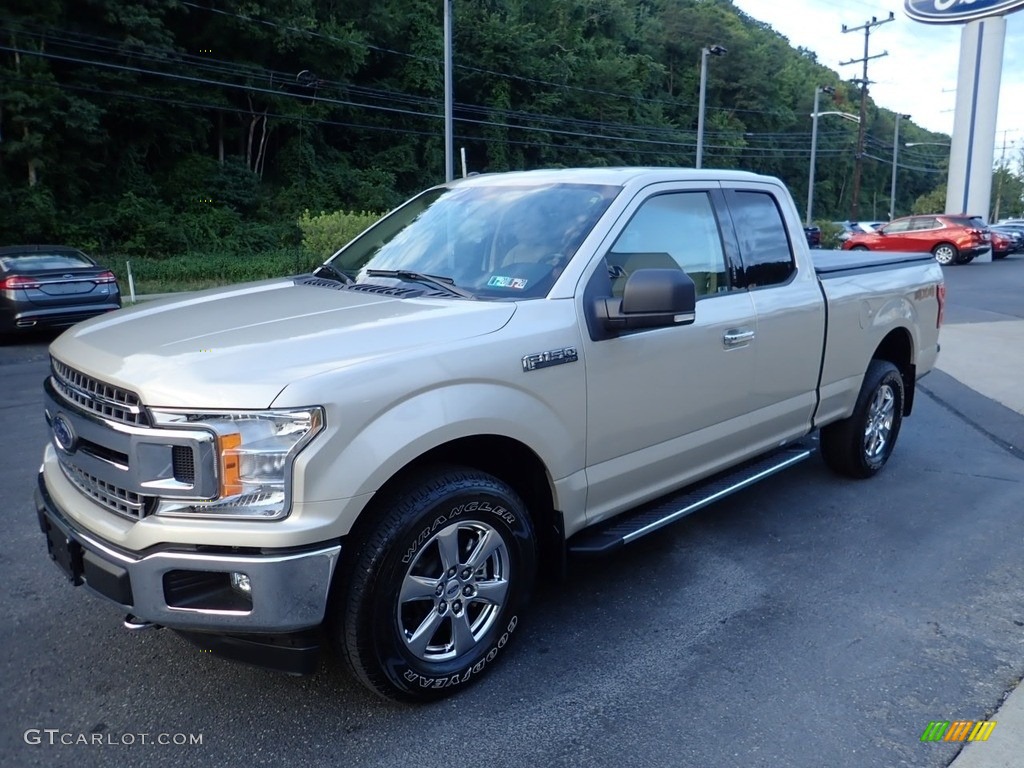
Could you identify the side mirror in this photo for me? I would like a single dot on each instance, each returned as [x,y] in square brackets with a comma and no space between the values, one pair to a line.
[652,298]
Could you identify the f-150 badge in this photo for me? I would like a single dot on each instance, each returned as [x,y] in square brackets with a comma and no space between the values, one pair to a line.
[547,359]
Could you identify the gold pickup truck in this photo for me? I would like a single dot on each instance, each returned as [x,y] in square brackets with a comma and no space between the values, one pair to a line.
[387,454]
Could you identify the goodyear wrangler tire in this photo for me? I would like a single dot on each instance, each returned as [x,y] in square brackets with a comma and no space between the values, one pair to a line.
[860,445]
[433,592]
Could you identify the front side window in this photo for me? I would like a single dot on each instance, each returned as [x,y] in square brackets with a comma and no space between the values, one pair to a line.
[672,231]
[495,241]
[764,244]
[897,226]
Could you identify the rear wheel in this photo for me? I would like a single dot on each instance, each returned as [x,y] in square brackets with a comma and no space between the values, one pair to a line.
[946,254]
[860,445]
[433,591]
[859,248]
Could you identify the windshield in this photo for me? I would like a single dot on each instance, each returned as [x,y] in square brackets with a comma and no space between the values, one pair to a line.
[493,241]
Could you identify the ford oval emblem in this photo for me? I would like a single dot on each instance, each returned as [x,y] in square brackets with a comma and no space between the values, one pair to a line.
[64,434]
[958,11]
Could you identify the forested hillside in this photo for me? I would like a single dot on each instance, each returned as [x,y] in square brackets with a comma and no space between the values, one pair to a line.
[171,126]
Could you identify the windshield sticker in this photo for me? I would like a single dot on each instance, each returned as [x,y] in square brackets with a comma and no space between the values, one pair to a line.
[498,281]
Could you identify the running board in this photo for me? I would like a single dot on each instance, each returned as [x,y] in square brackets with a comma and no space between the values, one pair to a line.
[630,526]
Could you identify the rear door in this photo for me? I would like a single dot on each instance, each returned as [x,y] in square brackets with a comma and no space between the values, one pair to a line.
[790,309]
[665,405]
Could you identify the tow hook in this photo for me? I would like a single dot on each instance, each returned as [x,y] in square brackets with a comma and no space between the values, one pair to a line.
[135,624]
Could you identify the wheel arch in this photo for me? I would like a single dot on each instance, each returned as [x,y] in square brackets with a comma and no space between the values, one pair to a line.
[512,462]
[898,348]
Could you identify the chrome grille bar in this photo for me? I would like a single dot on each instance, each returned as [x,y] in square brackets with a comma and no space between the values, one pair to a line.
[119,500]
[103,399]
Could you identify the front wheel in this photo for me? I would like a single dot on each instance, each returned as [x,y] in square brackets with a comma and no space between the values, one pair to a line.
[946,254]
[433,591]
[859,248]
[859,446]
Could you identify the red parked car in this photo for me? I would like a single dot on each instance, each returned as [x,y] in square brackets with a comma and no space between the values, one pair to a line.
[953,239]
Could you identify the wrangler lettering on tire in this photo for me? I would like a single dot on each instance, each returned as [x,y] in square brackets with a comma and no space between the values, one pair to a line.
[432,593]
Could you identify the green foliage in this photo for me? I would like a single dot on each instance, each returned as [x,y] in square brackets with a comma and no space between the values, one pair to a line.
[207,268]
[159,128]
[932,202]
[324,234]
[830,234]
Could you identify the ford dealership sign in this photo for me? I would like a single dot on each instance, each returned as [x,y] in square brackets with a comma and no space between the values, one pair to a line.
[958,11]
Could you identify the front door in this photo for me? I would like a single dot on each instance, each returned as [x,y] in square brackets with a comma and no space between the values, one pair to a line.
[668,405]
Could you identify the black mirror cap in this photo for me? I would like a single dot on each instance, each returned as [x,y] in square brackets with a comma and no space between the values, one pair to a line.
[659,291]
[652,298]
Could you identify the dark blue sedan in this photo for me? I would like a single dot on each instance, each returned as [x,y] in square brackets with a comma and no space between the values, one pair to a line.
[52,286]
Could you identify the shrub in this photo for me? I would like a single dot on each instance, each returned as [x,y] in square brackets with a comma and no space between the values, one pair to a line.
[324,234]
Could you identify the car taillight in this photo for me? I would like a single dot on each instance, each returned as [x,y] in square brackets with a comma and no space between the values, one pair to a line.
[940,294]
[105,277]
[17,281]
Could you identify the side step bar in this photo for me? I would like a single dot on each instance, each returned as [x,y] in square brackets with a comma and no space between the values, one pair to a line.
[630,526]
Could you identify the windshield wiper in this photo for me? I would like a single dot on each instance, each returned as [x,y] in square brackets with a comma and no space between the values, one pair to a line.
[444,283]
[341,276]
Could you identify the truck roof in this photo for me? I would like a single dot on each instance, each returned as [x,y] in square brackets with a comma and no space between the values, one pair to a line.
[613,176]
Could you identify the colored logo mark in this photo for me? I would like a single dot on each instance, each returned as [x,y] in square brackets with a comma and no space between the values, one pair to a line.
[958,730]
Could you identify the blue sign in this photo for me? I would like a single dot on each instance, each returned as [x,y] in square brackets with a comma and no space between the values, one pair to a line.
[958,11]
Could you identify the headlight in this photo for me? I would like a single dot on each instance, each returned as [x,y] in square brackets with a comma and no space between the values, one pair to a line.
[254,455]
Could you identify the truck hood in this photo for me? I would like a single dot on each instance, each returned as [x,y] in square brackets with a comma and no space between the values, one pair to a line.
[239,347]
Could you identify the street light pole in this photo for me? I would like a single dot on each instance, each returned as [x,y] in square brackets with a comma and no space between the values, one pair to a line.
[714,50]
[895,154]
[449,142]
[814,149]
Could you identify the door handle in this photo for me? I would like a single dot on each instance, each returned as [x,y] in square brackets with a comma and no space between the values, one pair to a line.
[737,336]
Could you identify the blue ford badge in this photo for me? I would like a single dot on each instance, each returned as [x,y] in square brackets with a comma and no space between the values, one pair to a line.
[63,434]
[958,11]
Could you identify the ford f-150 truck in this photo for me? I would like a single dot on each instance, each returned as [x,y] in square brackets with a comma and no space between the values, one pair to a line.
[388,453]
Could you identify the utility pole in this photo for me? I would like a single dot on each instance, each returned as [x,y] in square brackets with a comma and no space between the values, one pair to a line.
[863,81]
[999,184]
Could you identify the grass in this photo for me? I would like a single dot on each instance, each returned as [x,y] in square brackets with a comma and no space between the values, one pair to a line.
[195,272]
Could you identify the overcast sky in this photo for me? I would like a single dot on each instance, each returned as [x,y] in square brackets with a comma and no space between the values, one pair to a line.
[919,76]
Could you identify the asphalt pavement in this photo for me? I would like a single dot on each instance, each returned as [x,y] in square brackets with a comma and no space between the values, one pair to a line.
[983,348]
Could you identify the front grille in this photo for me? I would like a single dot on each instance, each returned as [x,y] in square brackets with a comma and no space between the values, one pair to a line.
[97,397]
[123,502]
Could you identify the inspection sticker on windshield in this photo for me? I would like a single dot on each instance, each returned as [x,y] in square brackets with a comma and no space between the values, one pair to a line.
[499,281]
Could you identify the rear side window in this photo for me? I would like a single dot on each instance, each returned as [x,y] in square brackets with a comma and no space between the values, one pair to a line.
[764,244]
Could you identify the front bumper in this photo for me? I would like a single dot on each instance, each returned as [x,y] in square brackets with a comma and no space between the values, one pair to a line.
[191,588]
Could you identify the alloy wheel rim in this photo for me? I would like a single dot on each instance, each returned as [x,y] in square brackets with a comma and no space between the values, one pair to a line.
[878,429]
[453,591]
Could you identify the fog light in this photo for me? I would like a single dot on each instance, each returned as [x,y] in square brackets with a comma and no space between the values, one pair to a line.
[240,583]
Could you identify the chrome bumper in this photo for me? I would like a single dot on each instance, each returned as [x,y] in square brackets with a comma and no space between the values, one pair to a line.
[191,590]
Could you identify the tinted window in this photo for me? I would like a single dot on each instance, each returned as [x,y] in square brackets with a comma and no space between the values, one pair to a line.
[925,222]
[764,244]
[674,231]
[42,262]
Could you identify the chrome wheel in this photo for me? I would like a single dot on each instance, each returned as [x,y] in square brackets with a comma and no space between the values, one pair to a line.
[879,422]
[453,591]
